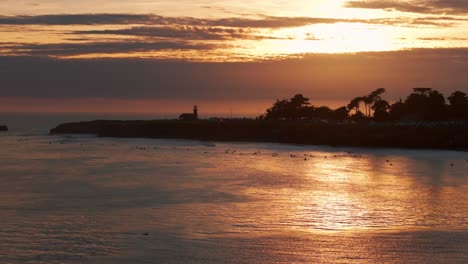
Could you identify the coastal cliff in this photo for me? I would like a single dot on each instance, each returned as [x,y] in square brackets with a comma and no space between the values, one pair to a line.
[445,136]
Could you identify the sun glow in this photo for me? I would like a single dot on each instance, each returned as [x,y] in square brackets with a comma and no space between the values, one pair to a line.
[218,32]
[327,38]
[345,37]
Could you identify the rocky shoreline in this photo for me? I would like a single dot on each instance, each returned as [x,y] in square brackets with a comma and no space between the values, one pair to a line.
[454,137]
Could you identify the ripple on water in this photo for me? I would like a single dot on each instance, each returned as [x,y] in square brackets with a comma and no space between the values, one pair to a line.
[89,200]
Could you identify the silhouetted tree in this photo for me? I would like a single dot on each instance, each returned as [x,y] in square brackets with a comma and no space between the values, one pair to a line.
[296,106]
[368,100]
[458,108]
[341,113]
[380,108]
[367,104]
[287,109]
[308,112]
[277,111]
[425,104]
[397,111]
[359,116]
[437,106]
[354,105]
[375,96]
[323,112]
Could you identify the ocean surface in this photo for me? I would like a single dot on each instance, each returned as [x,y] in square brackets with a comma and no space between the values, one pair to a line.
[82,199]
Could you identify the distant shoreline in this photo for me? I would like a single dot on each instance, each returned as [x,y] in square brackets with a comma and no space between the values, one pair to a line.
[447,136]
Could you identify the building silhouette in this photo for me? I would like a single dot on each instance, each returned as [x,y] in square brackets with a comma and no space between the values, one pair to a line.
[188,116]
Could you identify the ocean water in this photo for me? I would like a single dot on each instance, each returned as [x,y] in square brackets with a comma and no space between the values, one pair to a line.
[82,199]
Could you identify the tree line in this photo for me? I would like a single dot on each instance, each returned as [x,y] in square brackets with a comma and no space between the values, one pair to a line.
[423,104]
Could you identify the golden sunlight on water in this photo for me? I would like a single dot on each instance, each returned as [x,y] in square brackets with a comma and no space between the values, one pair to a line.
[90,200]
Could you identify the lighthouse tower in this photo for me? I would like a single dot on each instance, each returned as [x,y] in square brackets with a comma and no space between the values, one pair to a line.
[195,112]
[188,116]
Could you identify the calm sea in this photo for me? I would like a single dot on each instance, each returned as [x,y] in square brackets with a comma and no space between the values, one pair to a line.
[82,199]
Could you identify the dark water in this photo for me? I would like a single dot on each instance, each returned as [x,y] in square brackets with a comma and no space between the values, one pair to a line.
[80,199]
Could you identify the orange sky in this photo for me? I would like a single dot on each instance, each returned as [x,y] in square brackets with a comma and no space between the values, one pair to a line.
[168,108]
[275,46]
[227,30]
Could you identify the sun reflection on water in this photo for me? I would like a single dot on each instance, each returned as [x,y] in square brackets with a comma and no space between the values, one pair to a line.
[318,204]
[338,192]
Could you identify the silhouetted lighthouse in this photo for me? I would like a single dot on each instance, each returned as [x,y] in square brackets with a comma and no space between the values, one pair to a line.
[195,112]
[193,116]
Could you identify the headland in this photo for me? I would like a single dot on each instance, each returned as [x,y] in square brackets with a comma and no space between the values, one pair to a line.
[423,120]
[442,135]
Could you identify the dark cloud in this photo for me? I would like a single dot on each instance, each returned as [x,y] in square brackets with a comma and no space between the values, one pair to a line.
[454,7]
[182,32]
[323,76]
[442,39]
[430,39]
[448,6]
[83,19]
[276,22]
[69,49]
[148,19]
[198,24]
[403,6]
[417,22]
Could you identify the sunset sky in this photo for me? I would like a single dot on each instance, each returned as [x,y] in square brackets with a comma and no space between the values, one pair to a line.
[164,56]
